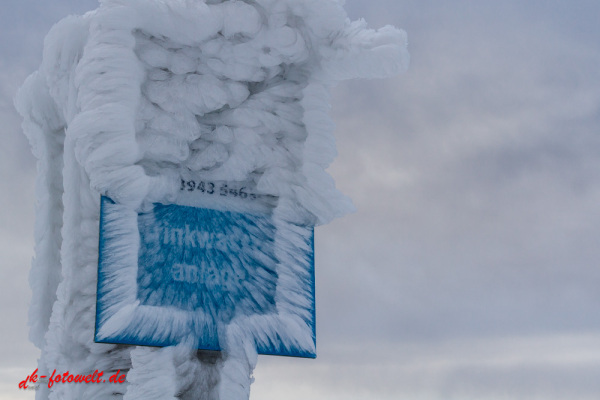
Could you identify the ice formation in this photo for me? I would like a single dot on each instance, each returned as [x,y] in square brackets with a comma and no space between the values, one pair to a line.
[139,94]
[211,267]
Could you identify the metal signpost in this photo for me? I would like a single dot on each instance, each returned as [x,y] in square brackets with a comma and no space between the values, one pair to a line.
[182,149]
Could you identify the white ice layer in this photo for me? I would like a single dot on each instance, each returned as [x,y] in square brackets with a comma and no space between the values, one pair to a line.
[139,93]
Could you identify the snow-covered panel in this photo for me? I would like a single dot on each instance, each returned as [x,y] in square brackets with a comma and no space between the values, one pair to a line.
[138,96]
[198,269]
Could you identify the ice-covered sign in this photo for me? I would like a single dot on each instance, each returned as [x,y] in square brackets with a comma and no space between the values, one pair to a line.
[198,268]
[206,123]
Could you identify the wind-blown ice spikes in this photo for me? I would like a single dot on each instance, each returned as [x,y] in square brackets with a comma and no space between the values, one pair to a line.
[139,95]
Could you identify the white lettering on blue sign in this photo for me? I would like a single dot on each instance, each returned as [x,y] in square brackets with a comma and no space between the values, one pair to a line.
[207,266]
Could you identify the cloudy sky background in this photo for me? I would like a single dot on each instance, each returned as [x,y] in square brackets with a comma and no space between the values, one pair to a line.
[471,268]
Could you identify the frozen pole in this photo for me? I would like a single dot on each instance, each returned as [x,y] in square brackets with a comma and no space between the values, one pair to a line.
[133,98]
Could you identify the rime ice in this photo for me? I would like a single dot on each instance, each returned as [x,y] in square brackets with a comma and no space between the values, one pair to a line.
[139,94]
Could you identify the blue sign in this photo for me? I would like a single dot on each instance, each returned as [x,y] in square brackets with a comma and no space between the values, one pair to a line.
[178,272]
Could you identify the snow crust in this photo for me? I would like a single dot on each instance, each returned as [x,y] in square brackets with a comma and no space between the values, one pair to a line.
[136,95]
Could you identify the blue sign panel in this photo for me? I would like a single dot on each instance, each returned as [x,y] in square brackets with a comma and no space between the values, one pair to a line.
[178,272]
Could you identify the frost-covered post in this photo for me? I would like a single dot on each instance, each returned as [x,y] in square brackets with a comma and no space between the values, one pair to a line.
[143,101]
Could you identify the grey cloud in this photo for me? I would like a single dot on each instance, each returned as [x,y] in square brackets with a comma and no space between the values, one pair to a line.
[540,367]
[475,178]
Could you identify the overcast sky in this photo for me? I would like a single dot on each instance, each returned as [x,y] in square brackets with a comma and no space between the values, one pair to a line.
[471,267]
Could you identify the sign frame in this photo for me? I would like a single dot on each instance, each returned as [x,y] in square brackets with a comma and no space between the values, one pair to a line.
[288,328]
